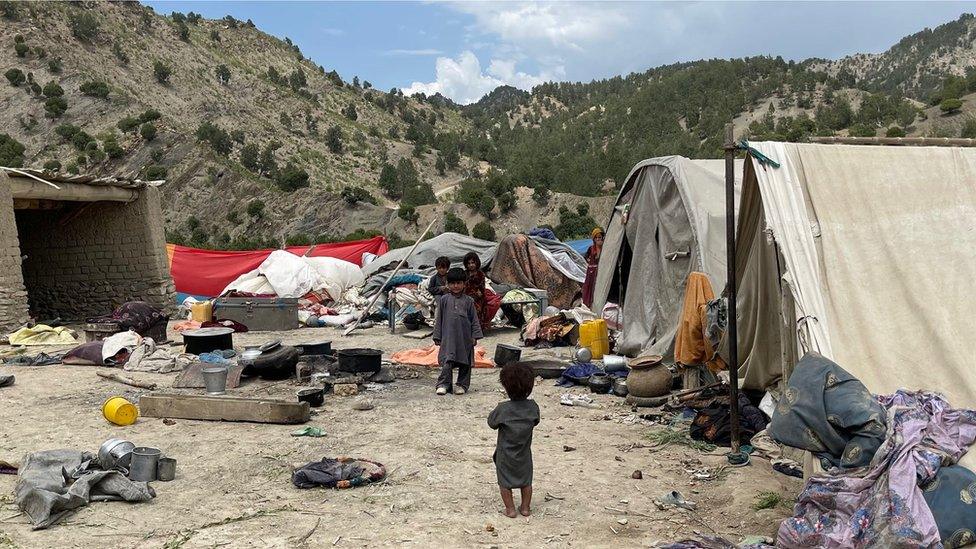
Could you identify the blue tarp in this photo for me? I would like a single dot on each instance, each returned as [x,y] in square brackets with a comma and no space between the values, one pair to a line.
[580,245]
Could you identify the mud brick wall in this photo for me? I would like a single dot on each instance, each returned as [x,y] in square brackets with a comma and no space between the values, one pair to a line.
[110,253]
[13,295]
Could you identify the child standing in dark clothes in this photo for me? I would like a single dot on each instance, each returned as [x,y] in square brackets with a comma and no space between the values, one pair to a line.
[438,283]
[515,420]
[456,331]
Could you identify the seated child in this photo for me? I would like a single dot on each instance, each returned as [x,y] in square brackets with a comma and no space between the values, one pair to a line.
[515,419]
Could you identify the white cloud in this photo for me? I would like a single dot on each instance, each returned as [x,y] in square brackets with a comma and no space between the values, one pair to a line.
[463,80]
[333,31]
[427,51]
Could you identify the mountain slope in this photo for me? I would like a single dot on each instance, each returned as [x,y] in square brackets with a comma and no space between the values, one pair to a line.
[204,184]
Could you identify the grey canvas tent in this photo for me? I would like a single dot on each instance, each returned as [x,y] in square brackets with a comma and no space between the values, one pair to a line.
[864,254]
[669,220]
[452,245]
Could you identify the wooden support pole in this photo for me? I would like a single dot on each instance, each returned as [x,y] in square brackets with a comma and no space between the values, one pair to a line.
[392,274]
[730,149]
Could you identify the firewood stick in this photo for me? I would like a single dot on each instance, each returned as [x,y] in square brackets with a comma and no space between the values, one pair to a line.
[127,381]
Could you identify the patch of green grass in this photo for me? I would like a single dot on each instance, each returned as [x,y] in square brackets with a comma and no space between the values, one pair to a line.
[767,500]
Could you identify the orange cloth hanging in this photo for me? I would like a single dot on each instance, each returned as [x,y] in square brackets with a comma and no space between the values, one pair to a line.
[690,344]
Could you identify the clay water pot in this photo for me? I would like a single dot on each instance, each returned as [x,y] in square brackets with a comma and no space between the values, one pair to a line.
[648,377]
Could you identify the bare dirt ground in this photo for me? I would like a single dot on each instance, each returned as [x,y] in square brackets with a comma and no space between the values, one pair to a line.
[233,479]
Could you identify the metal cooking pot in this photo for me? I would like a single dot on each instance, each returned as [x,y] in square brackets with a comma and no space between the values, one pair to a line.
[206,340]
[583,354]
[358,361]
[599,383]
[613,363]
[506,354]
[318,348]
[115,453]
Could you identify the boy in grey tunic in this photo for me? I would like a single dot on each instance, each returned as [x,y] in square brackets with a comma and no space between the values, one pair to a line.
[515,420]
[456,330]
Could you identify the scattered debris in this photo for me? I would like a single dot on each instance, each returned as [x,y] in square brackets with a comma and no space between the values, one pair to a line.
[309,432]
[127,380]
[550,497]
[637,475]
[585,401]
[489,527]
[363,404]
[568,448]
[168,421]
[674,499]
[622,521]
[345,389]
[665,437]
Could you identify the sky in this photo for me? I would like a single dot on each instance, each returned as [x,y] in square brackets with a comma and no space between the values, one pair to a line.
[465,49]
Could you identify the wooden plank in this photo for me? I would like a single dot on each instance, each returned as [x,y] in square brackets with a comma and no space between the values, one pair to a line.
[911,141]
[218,408]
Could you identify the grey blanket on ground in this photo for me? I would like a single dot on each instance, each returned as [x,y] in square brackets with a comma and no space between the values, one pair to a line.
[53,483]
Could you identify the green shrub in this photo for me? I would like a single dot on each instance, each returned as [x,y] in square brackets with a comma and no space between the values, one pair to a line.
[238,135]
[15,77]
[895,131]
[223,74]
[147,131]
[183,31]
[52,89]
[161,71]
[408,214]
[52,165]
[9,10]
[35,88]
[84,26]
[474,194]
[112,148]
[440,165]
[95,88]
[299,239]
[350,112]
[96,155]
[291,178]
[155,172]
[66,131]
[156,155]
[40,52]
[55,106]
[55,65]
[354,195]
[333,138]
[507,202]
[214,35]
[21,49]
[454,224]
[11,152]
[150,115]
[249,157]
[80,139]
[541,195]
[574,224]
[255,208]
[950,105]
[72,168]
[969,128]
[861,130]
[233,217]
[128,124]
[120,53]
[218,138]
[484,231]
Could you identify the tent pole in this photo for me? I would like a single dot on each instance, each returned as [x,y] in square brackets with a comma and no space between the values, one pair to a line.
[730,249]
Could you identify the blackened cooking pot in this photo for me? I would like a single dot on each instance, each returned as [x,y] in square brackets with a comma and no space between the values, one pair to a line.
[358,361]
[205,340]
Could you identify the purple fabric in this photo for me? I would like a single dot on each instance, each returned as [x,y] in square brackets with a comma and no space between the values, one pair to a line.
[881,505]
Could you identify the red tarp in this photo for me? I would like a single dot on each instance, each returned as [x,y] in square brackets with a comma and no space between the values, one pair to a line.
[208,272]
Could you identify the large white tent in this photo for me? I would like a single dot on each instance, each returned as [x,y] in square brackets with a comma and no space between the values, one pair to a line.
[865,254]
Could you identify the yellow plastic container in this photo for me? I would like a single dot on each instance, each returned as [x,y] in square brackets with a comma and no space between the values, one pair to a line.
[595,336]
[120,411]
[202,311]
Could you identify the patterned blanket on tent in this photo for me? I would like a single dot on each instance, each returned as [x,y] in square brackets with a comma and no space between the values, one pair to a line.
[519,262]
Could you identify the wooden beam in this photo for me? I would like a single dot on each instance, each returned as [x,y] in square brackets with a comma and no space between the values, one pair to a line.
[218,408]
[36,204]
[904,141]
[22,187]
